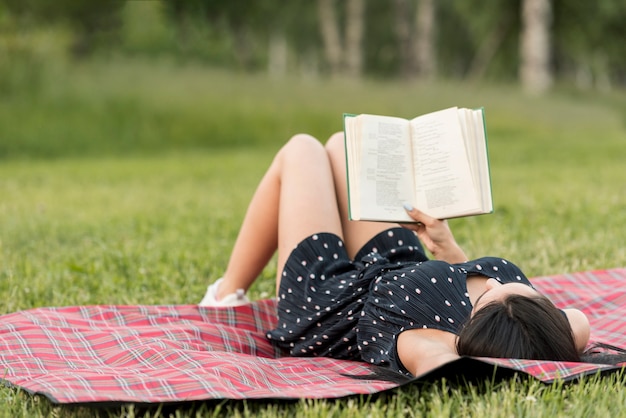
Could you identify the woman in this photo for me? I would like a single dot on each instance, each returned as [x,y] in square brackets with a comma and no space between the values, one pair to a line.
[363,290]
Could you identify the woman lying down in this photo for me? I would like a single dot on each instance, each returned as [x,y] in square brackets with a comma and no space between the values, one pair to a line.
[365,291]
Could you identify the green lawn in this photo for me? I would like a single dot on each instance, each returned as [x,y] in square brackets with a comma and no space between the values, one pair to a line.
[126,185]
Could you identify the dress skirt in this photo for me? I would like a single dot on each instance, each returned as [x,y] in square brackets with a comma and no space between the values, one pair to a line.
[322,291]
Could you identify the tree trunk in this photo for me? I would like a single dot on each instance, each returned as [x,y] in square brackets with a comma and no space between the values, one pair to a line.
[329,27]
[403,31]
[277,55]
[425,58]
[535,73]
[242,50]
[355,15]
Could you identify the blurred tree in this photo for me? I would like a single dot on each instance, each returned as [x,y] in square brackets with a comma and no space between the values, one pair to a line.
[491,43]
[90,21]
[297,21]
[589,39]
[479,40]
[404,33]
[145,30]
[535,45]
[331,35]
[533,41]
[342,57]
[416,43]
[231,19]
[251,33]
[425,25]
[355,10]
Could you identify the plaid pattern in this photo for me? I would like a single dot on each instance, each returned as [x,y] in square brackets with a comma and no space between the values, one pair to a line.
[154,354]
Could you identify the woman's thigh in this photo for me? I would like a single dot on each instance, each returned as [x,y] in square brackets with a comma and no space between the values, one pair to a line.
[308,202]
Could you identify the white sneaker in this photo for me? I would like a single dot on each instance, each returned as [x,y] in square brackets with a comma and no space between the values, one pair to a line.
[233,299]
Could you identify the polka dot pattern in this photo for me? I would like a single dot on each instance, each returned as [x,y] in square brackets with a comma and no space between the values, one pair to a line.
[329,305]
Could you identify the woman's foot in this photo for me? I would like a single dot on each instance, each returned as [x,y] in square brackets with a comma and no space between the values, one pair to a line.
[232,299]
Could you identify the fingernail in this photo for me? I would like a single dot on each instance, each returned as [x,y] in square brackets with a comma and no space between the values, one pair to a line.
[408,207]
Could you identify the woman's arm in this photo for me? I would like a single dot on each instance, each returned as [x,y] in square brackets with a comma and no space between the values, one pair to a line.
[580,327]
[436,235]
[423,350]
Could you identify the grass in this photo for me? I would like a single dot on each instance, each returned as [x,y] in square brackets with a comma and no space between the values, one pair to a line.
[126,182]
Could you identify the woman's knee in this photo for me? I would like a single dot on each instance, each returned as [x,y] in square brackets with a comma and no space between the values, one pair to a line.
[335,149]
[302,147]
[335,144]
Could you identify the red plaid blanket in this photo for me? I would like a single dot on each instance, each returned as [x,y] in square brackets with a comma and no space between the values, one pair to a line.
[147,354]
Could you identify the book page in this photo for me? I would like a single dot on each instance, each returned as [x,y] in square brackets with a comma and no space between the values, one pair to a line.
[444,180]
[386,174]
[482,160]
[352,133]
[473,126]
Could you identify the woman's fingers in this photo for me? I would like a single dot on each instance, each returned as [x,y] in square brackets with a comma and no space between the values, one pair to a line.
[418,215]
[436,235]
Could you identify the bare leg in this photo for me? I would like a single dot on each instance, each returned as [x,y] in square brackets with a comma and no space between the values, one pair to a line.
[295,199]
[356,233]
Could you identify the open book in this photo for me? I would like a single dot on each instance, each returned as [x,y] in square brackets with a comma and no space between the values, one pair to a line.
[437,162]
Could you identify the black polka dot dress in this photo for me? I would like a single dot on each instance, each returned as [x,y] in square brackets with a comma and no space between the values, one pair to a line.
[329,305]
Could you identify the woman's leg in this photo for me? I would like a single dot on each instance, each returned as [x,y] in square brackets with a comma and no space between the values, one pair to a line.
[295,199]
[356,233]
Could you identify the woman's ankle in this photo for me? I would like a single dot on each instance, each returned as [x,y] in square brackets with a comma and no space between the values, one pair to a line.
[226,287]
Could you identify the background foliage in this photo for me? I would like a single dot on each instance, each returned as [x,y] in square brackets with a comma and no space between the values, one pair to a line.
[587,37]
[51,53]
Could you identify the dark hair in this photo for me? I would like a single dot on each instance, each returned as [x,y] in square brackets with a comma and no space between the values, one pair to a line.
[519,327]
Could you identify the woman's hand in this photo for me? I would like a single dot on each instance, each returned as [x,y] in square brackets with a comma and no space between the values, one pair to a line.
[436,235]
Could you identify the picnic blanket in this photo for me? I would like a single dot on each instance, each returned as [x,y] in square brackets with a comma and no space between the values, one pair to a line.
[166,354]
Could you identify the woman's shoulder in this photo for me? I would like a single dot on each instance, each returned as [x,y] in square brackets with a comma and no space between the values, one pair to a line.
[422,350]
[497,268]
